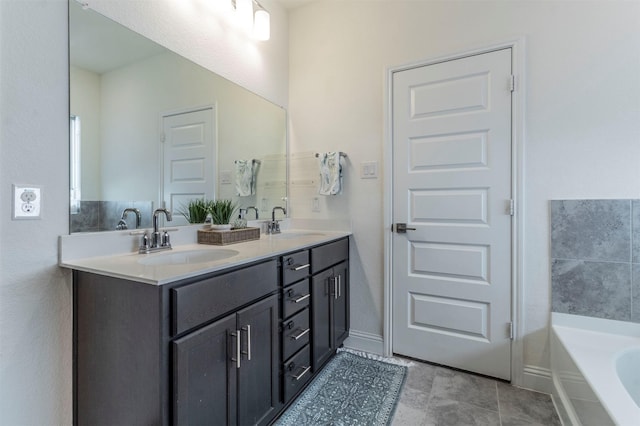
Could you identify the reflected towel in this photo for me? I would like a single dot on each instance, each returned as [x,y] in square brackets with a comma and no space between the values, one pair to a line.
[246,176]
[330,173]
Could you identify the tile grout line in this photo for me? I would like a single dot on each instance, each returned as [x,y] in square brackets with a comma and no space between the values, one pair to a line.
[498,401]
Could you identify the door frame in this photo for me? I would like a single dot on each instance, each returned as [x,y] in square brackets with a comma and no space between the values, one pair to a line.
[517,47]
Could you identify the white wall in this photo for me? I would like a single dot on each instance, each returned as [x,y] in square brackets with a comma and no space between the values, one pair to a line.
[35,295]
[582,114]
[202,31]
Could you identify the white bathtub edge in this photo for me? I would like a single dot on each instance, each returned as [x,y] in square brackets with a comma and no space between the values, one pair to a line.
[593,345]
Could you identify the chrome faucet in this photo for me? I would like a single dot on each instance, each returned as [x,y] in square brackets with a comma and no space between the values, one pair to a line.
[122,224]
[274,226]
[158,242]
[252,207]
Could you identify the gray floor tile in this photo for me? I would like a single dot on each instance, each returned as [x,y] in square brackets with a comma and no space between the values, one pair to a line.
[438,396]
[445,412]
[458,386]
[406,415]
[523,405]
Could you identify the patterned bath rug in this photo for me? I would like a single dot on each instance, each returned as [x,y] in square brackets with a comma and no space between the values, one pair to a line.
[350,390]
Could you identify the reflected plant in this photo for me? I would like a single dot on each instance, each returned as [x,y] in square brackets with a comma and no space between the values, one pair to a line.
[196,211]
[222,211]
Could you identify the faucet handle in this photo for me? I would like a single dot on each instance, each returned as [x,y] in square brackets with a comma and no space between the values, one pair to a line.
[144,245]
[166,242]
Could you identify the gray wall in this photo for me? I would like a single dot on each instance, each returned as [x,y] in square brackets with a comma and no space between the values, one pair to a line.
[595,258]
[35,294]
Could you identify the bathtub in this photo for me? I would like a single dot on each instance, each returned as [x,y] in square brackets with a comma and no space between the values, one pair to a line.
[595,367]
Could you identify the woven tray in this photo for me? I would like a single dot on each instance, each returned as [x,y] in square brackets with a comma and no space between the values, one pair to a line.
[221,238]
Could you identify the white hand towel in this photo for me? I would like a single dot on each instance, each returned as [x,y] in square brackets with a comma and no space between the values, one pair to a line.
[330,173]
[244,178]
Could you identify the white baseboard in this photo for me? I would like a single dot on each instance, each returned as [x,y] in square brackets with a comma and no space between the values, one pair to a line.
[366,342]
[537,379]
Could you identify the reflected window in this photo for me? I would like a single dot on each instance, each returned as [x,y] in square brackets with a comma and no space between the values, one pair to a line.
[74,164]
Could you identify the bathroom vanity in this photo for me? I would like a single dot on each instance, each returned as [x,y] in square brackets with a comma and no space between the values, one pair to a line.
[232,343]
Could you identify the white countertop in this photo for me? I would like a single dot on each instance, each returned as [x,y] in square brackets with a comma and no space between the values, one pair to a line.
[127,266]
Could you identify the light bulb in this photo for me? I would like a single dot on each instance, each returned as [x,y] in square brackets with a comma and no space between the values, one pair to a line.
[262,25]
[244,11]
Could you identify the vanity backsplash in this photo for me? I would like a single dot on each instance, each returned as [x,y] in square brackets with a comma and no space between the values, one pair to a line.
[595,258]
[94,216]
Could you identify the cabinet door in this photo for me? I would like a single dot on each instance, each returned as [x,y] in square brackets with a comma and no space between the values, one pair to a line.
[258,384]
[321,294]
[204,377]
[341,304]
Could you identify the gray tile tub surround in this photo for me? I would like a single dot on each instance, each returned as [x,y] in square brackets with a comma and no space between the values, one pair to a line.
[591,230]
[593,289]
[595,250]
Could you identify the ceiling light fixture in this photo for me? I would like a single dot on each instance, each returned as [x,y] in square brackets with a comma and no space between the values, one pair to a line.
[258,23]
[261,24]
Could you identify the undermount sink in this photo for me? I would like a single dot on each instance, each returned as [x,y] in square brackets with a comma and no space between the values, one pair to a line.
[292,235]
[188,257]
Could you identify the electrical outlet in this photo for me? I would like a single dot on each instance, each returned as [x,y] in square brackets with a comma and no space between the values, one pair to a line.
[27,202]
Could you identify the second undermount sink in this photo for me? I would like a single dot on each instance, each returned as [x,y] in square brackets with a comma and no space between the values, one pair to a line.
[187,257]
[293,234]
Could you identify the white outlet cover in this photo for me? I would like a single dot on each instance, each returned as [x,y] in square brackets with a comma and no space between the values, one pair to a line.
[27,202]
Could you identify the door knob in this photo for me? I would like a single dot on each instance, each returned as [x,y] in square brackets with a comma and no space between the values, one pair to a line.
[401,228]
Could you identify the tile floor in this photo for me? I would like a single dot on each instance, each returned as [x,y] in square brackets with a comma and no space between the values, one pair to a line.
[437,396]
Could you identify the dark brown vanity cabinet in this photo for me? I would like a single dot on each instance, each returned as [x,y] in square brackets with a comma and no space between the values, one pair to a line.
[227,370]
[198,351]
[296,327]
[232,347]
[330,295]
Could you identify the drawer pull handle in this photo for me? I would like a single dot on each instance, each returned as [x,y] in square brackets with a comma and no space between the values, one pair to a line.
[301,334]
[299,376]
[299,267]
[301,298]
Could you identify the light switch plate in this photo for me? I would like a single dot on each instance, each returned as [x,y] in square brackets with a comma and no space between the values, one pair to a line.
[27,202]
[369,169]
[225,177]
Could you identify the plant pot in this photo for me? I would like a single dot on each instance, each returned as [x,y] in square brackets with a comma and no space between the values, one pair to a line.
[220,227]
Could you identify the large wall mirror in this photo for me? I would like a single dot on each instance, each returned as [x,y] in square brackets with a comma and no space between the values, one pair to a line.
[151,129]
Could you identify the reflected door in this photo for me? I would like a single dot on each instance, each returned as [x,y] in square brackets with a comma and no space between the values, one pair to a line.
[452,186]
[189,163]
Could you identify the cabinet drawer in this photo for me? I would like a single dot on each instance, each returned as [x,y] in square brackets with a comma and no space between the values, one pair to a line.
[295,267]
[194,304]
[295,333]
[297,372]
[295,298]
[329,254]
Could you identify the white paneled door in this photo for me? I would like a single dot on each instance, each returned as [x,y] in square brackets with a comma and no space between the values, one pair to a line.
[452,183]
[189,163]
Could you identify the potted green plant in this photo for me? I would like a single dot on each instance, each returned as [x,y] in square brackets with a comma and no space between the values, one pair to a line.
[222,212]
[195,211]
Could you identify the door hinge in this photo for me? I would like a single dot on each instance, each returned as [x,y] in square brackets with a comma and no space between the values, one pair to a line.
[510,330]
[163,137]
[512,207]
[512,83]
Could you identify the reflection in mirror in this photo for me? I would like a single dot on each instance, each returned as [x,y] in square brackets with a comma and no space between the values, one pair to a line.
[152,129]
